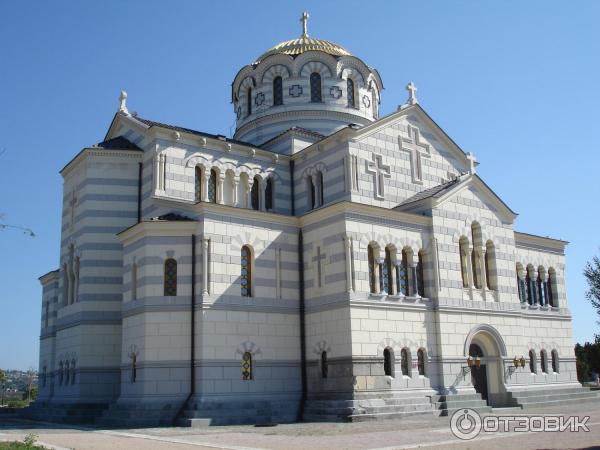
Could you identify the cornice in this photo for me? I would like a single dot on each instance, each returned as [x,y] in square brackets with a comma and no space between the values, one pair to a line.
[95,151]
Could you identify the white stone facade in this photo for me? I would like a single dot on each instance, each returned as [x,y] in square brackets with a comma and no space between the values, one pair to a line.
[354,236]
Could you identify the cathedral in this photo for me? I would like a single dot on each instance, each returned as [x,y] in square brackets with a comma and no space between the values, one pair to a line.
[324,263]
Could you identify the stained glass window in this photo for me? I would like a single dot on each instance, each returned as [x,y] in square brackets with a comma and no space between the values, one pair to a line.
[388,364]
[247,366]
[254,194]
[421,362]
[420,276]
[212,186]
[404,362]
[170,277]
[277,91]
[315,87]
[350,89]
[246,271]
[198,185]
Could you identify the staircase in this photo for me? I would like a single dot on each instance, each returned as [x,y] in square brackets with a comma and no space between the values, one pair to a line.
[533,398]
[446,405]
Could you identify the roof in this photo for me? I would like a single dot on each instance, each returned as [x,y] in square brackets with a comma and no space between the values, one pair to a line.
[436,192]
[118,143]
[298,130]
[153,123]
[172,217]
[304,43]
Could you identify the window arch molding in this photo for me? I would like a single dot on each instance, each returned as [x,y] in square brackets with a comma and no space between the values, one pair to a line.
[273,71]
[316,64]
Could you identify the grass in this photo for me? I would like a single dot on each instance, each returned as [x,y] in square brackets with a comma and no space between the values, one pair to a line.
[27,444]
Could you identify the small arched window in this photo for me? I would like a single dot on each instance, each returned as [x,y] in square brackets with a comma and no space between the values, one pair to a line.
[277,91]
[246,271]
[254,194]
[550,294]
[475,255]
[350,89]
[249,102]
[540,287]
[315,88]
[543,361]
[170,282]
[321,188]
[464,268]
[247,366]
[420,275]
[212,186]
[421,361]
[269,194]
[324,367]
[402,274]
[198,184]
[554,361]
[372,268]
[404,362]
[388,362]
[73,371]
[310,186]
[531,361]
[490,265]
[388,271]
[531,297]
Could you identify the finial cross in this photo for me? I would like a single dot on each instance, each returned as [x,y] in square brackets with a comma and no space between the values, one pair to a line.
[472,161]
[123,103]
[304,20]
[412,93]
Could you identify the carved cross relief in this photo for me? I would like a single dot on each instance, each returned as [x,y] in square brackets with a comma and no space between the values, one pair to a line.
[417,150]
[379,171]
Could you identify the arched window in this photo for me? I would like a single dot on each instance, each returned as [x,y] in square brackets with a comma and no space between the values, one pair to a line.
[246,271]
[212,186]
[402,274]
[550,294]
[531,361]
[315,87]
[321,188]
[521,287]
[350,89]
[421,361]
[198,184]
[475,256]
[420,275]
[464,266]
[60,373]
[133,368]
[389,278]
[67,373]
[170,282]
[249,102]
[388,362]
[490,266]
[269,194]
[324,368]
[404,362]
[540,287]
[310,187]
[531,297]
[554,361]
[73,371]
[372,268]
[254,194]
[134,276]
[543,361]
[247,366]
[277,91]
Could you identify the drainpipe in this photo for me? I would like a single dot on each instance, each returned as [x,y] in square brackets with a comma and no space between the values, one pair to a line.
[302,324]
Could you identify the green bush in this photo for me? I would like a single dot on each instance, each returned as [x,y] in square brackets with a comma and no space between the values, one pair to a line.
[27,444]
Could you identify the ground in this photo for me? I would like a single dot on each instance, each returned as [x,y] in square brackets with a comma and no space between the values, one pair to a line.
[414,432]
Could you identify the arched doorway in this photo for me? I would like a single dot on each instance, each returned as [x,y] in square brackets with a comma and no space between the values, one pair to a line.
[485,343]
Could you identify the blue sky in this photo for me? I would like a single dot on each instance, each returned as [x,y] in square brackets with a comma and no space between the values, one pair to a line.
[514,82]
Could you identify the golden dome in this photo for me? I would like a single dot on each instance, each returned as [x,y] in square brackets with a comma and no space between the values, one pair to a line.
[304,43]
[295,47]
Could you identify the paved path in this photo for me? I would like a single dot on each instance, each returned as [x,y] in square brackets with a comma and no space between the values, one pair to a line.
[414,432]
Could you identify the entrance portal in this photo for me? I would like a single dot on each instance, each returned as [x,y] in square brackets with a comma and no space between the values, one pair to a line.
[479,374]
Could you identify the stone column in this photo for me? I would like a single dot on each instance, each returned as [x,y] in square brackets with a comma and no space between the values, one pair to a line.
[205,269]
[392,287]
[205,178]
[348,246]
[220,184]
[235,184]
[157,171]
[376,276]
[415,280]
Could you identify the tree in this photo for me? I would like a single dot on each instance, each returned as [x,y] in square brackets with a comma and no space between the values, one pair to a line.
[2,383]
[592,275]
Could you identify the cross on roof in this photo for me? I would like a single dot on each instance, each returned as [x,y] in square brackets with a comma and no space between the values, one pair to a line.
[304,20]
[380,171]
[416,149]
[412,93]
[472,162]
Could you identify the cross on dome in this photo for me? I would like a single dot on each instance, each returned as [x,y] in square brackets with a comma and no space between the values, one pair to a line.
[123,103]
[304,20]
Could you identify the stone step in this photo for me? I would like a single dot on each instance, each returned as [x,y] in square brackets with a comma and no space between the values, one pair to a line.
[554,397]
[461,404]
[388,415]
[532,392]
[450,411]
[534,404]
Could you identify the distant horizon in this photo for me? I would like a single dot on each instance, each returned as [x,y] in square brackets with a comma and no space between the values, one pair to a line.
[512,82]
